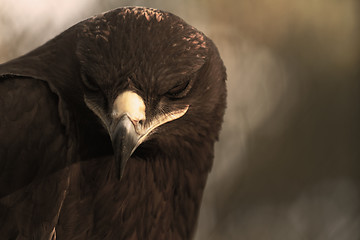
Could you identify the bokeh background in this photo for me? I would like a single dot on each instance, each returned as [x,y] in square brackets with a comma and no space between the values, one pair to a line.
[287,165]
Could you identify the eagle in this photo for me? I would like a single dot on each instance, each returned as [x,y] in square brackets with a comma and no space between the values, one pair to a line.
[107,131]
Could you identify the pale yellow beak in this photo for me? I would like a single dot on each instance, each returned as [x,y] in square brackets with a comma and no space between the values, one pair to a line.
[129,127]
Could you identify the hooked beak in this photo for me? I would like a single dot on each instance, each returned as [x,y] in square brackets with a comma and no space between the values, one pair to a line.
[124,142]
[129,127]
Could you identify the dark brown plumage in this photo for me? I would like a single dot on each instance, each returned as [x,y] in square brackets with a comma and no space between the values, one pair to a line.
[64,118]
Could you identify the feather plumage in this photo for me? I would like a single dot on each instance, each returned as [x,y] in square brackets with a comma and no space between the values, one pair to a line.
[57,166]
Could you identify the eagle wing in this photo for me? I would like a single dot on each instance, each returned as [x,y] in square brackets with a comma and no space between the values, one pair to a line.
[34,154]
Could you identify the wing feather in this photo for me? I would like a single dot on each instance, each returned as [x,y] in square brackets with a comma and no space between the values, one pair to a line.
[34,151]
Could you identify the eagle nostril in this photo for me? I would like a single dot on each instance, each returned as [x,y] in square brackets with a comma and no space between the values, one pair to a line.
[138,124]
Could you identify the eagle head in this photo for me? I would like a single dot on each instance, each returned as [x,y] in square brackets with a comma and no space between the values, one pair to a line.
[149,76]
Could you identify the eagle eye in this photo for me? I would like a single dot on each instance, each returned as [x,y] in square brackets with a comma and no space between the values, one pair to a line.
[89,83]
[180,90]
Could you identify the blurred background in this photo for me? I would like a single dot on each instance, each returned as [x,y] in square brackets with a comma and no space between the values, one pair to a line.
[287,164]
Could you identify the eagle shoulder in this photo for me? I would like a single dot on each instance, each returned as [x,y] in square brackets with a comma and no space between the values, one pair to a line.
[34,153]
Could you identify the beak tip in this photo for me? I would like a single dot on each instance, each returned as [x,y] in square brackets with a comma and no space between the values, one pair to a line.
[120,162]
[119,173]
[124,140]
